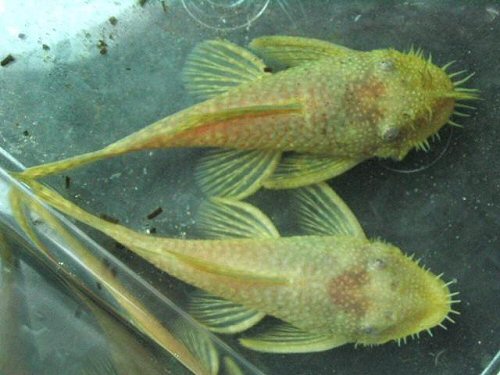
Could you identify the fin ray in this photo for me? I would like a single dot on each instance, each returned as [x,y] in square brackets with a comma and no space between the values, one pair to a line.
[225,218]
[235,173]
[220,315]
[298,170]
[293,51]
[215,66]
[285,338]
[200,345]
[322,211]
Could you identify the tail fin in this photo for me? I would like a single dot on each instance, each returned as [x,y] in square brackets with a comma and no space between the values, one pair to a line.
[136,141]
[161,134]
[113,230]
[62,165]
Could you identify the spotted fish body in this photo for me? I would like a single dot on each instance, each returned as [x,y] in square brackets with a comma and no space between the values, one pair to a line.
[331,109]
[356,290]
[354,105]
[328,288]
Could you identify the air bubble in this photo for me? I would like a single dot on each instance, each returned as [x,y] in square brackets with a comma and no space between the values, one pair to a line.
[225,14]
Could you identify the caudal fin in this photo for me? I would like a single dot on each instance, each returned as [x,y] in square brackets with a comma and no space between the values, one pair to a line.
[163,134]
[63,165]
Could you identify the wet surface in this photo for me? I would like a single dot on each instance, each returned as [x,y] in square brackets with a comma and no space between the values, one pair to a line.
[442,205]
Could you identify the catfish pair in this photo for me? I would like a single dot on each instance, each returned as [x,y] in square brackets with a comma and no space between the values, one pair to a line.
[328,109]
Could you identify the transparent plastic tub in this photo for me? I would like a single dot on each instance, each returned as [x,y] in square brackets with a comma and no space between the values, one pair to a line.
[85,74]
[70,307]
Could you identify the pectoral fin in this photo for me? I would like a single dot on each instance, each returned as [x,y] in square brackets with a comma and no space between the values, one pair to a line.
[321,211]
[296,170]
[226,218]
[235,173]
[215,66]
[220,315]
[293,51]
[285,338]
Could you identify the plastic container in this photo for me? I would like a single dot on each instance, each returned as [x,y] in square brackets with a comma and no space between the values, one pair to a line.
[85,74]
[68,306]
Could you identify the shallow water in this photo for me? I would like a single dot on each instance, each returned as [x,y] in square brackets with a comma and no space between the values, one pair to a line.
[442,206]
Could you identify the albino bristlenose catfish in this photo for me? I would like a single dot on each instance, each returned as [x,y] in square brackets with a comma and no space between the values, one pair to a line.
[328,288]
[331,109]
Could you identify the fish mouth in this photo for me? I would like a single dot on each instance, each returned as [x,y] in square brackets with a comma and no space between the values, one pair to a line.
[457,94]
[444,105]
[438,309]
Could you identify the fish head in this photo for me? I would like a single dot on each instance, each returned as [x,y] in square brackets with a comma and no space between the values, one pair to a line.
[400,298]
[415,100]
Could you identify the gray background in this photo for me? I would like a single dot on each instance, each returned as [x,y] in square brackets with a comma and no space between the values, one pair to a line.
[70,99]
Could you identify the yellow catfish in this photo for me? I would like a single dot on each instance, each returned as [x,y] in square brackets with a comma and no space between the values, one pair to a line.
[328,288]
[331,109]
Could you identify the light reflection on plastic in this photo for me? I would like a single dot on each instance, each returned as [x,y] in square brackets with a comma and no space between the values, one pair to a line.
[225,14]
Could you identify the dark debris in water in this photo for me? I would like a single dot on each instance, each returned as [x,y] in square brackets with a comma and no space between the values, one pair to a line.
[7,60]
[103,47]
[155,213]
[109,218]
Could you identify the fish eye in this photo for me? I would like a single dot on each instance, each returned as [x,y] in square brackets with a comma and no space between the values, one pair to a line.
[391,134]
[387,65]
[377,264]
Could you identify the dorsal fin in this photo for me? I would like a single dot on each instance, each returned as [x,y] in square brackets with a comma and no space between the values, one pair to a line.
[215,66]
[293,51]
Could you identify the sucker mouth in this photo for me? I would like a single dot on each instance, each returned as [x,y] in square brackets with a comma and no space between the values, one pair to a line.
[458,93]
[450,301]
